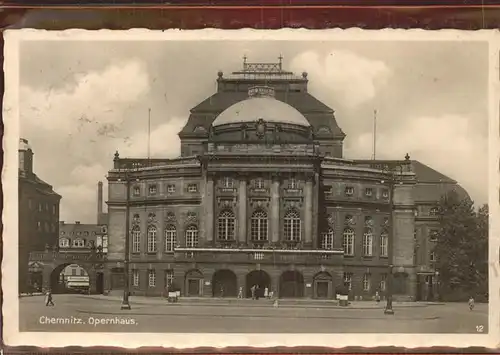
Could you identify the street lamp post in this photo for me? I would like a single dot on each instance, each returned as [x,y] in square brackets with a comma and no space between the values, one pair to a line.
[126,289]
[390,255]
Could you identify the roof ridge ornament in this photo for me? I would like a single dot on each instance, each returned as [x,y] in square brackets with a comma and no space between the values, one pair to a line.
[261,91]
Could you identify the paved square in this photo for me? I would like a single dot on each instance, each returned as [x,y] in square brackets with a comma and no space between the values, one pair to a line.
[100,314]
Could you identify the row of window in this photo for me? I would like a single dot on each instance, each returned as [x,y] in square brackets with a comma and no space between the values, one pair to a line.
[169,278]
[367,282]
[153,189]
[348,242]
[43,206]
[170,236]
[80,243]
[78,234]
[45,226]
[369,192]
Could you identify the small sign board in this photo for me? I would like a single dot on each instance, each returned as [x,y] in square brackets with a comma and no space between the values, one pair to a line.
[308,285]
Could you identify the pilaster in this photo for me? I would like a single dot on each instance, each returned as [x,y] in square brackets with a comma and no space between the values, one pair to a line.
[308,208]
[275,209]
[242,210]
[209,209]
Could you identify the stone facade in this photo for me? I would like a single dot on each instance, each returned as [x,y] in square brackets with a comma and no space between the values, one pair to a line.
[263,196]
[38,216]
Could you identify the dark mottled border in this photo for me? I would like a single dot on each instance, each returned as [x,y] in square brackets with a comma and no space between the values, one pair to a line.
[235,14]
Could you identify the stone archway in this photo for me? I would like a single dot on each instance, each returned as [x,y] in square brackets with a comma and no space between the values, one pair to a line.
[291,284]
[323,285]
[224,284]
[259,278]
[77,279]
[193,283]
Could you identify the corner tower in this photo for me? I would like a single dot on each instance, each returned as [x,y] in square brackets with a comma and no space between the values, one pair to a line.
[287,87]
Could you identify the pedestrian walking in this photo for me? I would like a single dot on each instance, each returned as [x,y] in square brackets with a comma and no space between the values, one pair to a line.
[377,297]
[240,293]
[471,303]
[48,299]
[252,290]
[266,292]
[257,292]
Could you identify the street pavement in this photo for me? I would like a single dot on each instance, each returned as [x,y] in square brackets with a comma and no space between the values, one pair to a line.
[80,313]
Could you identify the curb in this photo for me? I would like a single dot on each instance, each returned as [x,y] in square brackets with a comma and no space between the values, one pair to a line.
[261,305]
[253,316]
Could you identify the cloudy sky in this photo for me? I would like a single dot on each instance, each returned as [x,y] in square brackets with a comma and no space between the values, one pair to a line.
[82,101]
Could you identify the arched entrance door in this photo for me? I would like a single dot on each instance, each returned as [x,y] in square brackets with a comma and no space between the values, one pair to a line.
[194,283]
[72,278]
[291,285]
[224,284]
[259,278]
[323,285]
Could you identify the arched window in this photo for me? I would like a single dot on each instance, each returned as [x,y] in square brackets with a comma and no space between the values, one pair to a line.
[226,225]
[192,237]
[368,242]
[292,226]
[151,239]
[327,241]
[348,242]
[79,243]
[136,239]
[258,227]
[64,243]
[384,243]
[170,238]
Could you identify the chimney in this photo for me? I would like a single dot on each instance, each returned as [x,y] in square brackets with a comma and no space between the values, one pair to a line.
[99,201]
[77,222]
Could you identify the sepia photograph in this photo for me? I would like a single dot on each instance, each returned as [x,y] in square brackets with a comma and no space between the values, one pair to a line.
[298,185]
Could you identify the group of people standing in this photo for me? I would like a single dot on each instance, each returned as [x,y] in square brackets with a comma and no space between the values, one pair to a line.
[257,292]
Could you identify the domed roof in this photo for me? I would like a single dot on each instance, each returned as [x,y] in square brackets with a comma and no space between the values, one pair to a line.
[261,105]
[23,144]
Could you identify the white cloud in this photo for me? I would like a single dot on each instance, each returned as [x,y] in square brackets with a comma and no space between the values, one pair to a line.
[447,143]
[73,131]
[344,75]
[164,141]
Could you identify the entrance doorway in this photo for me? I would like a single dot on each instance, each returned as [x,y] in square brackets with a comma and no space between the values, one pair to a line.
[194,283]
[259,278]
[69,278]
[323,285]
[224,284]
[291,285]
[99,288]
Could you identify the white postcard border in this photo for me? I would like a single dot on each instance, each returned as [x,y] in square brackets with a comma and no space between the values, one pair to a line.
[13,337]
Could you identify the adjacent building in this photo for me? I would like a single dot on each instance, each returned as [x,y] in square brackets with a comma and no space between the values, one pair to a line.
[263,195]
[38,217]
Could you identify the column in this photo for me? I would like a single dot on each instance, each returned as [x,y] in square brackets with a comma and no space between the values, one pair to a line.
[242,211]
[209,210]
[308,207]
[275,210]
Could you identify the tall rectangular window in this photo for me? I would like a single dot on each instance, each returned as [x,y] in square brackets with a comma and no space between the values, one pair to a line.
[136,240]
[135,278]
[169,278]
[348,280]
[367,243]
[366,282]
[384,244]
[348,242]
[383,281]
[152,278]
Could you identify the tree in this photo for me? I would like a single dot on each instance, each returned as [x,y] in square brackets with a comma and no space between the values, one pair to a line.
[462,249]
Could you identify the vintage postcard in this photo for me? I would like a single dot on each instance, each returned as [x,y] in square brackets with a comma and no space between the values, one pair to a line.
[251,188]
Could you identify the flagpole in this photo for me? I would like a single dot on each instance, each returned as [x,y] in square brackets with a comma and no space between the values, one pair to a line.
[149,136]
[374,134]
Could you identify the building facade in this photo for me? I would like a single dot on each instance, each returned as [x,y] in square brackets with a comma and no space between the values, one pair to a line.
[38,217]
[262,195]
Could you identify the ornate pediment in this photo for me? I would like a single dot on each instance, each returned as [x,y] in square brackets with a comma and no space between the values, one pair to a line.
[136,220]
[170,217]
[350,220]
[331,219]
[369,222]
[293,202]
[226,202]
[191,217]
[152,218]
[259,203]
